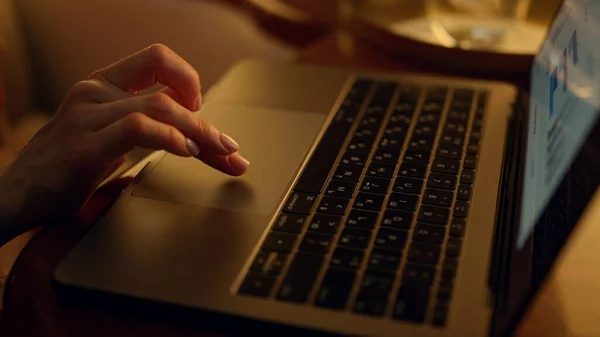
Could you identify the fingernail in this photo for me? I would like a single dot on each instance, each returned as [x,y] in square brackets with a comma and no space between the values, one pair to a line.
[229,143]
[198,103]
[239,163]
[192,147]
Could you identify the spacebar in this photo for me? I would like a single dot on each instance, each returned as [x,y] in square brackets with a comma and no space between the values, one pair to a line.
[316,172]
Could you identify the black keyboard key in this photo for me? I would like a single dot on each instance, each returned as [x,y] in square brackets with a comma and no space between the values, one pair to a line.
[409,93]
[411,303]
[355,238]
[359,89]
[257,285]
[371,122]
[335,206]
[438,197]
[453,247]
[323,159]
[280,242]
[400,119]
[368,201]
[376,110]
[300,203]
[340,189]
[323,223]
[444,292]
[386,155]
[391,143]
[467,177]
[376,283]
[424,253]
[300,278]
[403,202]
[291,223]
[344,258]
[470,162]
[408,185]
[383,259]
[464,94]
[461,209]
[475,136]
[375,185]
[433,107]
[390,239]
[435,215]
[422,142]
[450,139]
[395,131]
[483,96]
[367,305]
[440,314]
[314,243]
[354,158]
[449,152]
[458,115]
[461,105]
[404,107]
[365,133]
[449,268]
[397,219]
[381,170]
[362,219]
[260,260]
[346,114]
[437,94]
[415,170]
[268,263]
[335,289]
[464,192]
[416,274]
[429,233]
[472,148]
[429,118]
[455,128]
[442,181]
[348,173]
[447,166]
[477,124]
[458,227]
[417,155]
[360,145]
[384,92]
[425,130]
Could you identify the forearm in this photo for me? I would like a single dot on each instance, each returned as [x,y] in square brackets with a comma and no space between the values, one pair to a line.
[26,204]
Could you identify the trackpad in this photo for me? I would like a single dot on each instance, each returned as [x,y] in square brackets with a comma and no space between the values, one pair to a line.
[274,141]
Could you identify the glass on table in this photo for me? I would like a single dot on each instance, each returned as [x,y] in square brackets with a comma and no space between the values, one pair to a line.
[475,24]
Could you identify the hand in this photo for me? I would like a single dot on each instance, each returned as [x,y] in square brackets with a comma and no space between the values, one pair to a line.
[101,120]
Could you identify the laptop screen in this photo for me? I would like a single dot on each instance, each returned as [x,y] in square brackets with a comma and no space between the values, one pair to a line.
[565,95]
[559,169]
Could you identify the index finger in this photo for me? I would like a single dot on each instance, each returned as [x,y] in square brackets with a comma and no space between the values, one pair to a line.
[156,63]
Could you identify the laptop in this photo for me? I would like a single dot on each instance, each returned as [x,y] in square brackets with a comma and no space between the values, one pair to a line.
[376,204]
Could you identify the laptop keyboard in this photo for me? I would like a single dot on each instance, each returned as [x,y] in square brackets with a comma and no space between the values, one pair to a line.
[375,223]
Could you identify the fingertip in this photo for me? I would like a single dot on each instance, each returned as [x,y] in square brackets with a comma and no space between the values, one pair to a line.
[238,163]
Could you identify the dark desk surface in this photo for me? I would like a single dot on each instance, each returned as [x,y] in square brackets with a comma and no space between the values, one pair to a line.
[566,307]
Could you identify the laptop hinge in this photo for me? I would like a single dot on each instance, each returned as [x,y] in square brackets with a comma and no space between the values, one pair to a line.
[506,205]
